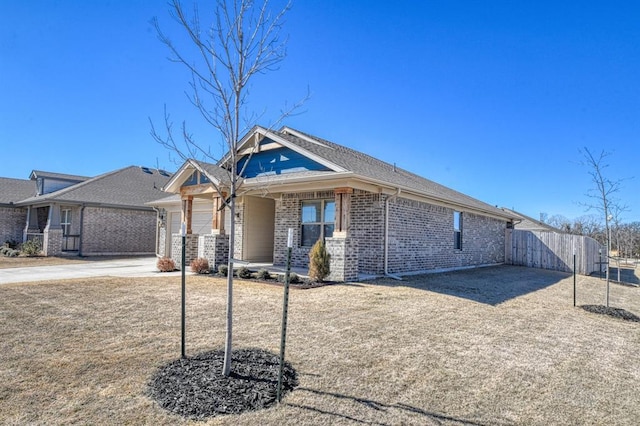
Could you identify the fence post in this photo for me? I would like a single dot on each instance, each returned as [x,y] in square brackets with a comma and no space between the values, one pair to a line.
[574,278]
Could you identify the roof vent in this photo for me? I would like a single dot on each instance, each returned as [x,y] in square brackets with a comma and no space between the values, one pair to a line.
[146,170]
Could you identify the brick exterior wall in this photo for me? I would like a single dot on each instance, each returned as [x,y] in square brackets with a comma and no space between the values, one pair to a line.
[239,228]
[52,245]
[288,216]
[118,231]
[420,234]
[214,248]
[421,238]
[344,259]
[367,227]
[12,223]
[162,240]
[191,249]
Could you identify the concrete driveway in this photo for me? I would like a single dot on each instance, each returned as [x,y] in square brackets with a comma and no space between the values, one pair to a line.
[130,267]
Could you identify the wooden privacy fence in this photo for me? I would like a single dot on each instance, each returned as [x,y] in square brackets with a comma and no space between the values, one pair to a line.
[553,250]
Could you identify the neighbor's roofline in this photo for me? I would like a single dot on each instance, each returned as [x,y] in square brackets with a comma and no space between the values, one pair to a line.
[53,196]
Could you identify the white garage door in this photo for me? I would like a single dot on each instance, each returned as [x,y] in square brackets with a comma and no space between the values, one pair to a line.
[200,223]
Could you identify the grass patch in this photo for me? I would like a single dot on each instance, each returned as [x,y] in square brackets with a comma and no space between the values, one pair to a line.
[432,350]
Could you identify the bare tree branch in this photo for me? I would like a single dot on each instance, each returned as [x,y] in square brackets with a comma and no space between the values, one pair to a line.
[242,41]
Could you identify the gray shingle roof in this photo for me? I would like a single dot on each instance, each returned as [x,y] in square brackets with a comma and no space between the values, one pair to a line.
[61,176]
[214,171]
[127,187]
[527,223]
[369,167]
[359,165]
[14,190]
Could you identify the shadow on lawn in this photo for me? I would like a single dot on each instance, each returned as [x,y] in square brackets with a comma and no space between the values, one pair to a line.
[627,275]
[490,285]
[378,407]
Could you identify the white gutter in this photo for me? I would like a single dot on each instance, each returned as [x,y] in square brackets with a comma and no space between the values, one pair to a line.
[386,236]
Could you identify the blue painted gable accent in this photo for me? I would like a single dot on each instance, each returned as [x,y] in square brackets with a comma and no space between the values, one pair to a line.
[193,180]
[278,161]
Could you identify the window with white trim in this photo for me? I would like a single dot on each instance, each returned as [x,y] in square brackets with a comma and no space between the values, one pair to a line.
[318,218]
[457,230]
[65,221]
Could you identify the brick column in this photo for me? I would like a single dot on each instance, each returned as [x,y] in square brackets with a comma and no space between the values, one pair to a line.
[344,259]
[52,241]
[191,248]
[214,248]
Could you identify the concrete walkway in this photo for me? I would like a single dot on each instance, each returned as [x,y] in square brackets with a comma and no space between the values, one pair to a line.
[129,267]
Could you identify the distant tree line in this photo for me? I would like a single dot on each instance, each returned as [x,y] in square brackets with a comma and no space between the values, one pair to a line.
[625,237]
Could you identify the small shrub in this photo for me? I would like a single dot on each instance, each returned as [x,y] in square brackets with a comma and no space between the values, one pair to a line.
[31,248]
[4,250]
[12,253]
[319,260]
[263,274]
[166,264]
[200,265]
[244,272]
[12,244]
[223,270]
[293,278]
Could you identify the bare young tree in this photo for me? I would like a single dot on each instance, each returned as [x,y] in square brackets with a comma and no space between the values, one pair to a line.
[603,195]
[243,41]
[560,222]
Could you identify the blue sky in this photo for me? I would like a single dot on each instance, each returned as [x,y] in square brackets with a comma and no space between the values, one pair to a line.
[491,98]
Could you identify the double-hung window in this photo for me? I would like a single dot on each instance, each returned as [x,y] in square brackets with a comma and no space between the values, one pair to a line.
[318,217]
[457,230]
[65,221]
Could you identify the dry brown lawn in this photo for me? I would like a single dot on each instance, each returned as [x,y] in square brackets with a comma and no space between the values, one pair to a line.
[26,261]
[492,346]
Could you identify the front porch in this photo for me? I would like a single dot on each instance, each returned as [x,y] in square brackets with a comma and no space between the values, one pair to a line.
[51,228]
[261,228]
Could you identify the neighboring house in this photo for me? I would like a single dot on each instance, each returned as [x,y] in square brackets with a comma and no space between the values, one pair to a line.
[376,218]
[527,223]
[79,215]
[13,218]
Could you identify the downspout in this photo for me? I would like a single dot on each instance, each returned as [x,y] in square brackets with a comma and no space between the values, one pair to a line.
[81,229]
[386,236]
[157,247]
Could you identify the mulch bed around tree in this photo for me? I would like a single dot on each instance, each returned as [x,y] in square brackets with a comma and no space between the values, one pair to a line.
[613,312]
[195,387]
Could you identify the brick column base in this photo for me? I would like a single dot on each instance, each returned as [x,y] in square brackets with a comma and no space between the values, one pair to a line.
[214,248]
[344,259]
[52,242]
[191,249]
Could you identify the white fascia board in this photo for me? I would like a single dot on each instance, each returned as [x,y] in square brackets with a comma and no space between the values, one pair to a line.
[183,173]
[257,182]
[247,139]
[173,186]
[214,180]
